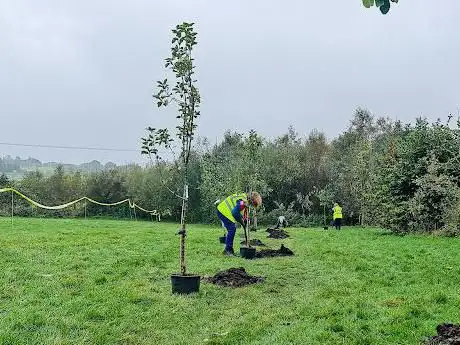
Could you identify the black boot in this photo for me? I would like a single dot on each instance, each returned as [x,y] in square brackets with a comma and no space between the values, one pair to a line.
[229,252]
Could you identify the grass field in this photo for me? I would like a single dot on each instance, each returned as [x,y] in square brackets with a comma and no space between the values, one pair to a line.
[107,282]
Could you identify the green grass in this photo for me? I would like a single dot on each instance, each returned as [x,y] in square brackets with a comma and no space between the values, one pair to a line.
[107,282]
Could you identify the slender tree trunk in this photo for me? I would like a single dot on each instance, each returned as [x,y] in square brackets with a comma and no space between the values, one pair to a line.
[246,230]
[12,207]
[324,214]
[183,267]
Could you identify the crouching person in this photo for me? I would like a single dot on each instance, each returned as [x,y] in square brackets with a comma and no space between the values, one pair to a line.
[281,222]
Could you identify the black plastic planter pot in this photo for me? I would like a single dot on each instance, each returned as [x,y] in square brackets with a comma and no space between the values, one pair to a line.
[222,239]
[248,252]
[185,284]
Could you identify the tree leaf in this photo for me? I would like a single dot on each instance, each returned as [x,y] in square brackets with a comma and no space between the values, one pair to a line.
[385,8]
[368,3]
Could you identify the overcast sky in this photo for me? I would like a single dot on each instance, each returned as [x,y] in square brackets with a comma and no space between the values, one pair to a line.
[81,73]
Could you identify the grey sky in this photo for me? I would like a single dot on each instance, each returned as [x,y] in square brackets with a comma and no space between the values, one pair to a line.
[81,73]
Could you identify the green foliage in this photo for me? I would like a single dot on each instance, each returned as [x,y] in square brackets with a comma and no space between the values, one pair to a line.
[435,196]
[252,161]
[295,169]
[184,94]
[383,5]
[420,157]
[4,181]
[108,187]
[404,177]
[353,164]
[452,217]
[156,139]
[5,199]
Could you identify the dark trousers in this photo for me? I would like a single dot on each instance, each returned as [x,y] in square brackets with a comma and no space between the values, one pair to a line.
[338,223]
[231,230]
[281,224]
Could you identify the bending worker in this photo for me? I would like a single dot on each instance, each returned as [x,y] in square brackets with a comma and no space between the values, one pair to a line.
[233,210]
[337,216]
[281,223]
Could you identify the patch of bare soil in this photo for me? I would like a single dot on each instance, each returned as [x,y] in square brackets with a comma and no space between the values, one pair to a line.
[283,251]
[254,242]
[277,233]
[233,277]
[448,334]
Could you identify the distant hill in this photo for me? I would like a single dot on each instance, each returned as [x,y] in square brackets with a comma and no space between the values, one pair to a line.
[15,168]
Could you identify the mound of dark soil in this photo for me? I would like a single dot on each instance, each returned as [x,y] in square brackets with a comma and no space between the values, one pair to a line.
[277,233]
[448,334]
[283,251]
[254,242]
[234,277]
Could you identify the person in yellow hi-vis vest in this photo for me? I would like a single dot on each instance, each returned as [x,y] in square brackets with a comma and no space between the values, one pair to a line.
[233,209]
[337,216]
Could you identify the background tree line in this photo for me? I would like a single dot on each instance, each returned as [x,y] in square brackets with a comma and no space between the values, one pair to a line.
[404,177]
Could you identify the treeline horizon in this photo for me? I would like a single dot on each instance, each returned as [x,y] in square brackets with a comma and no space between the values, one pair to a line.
[400,176]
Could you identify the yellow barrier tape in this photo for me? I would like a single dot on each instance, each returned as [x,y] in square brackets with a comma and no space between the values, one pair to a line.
[60,207]
[153,213]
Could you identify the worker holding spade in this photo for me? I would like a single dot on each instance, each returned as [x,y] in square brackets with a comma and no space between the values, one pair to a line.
[235,209]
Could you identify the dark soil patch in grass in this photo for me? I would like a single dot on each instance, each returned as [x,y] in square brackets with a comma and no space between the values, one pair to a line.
[254,242]
[277,233]
[233,277]
[448,334]
[283,251]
